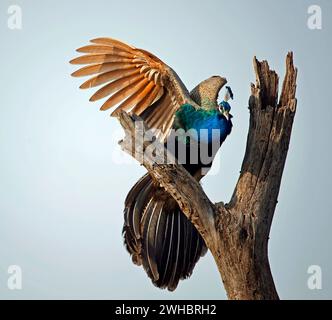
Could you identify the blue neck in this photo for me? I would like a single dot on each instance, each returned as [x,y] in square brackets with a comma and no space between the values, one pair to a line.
[206,126]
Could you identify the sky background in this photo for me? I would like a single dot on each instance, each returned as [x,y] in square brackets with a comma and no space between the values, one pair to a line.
[63,179]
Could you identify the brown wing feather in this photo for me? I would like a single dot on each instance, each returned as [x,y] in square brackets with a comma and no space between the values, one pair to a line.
[133,99]
[99,58]
[100,49]
[116,85]
[134,80]
[151,91]
[109,76]
[113,43]
[122,94]
[101,67]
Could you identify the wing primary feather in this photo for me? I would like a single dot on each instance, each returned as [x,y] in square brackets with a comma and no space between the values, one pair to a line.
[150,92]
[108,76]
[113,43]
[101,67]
[133,99]
[121,94]
[115,86]
[104,50]
[100,58]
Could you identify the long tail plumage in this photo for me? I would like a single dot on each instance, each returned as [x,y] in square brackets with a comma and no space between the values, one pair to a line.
[159,236]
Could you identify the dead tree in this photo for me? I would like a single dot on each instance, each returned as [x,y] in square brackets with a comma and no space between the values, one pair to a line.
[237,233]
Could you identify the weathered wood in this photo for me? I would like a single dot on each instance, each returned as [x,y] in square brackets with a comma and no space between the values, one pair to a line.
[236,233]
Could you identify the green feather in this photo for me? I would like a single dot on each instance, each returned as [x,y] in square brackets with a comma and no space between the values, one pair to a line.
[187,115]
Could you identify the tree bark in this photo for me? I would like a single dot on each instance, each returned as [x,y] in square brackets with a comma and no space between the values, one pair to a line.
[236,233]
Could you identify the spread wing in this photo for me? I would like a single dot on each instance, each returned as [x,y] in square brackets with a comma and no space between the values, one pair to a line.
[133,80]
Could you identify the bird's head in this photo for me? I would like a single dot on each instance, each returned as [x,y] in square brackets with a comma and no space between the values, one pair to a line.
[206,93]
[224,107]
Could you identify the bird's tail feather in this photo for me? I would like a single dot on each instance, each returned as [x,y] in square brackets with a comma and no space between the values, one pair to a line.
[159,236]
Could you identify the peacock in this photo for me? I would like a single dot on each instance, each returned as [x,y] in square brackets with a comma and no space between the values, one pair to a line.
[156,233]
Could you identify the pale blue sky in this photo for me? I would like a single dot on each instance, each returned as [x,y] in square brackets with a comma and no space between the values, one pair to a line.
[62,187]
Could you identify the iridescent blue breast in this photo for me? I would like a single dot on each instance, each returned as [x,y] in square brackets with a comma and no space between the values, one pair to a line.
[203,125]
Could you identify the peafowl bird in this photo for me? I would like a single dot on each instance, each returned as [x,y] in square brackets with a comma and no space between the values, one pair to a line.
[156,233]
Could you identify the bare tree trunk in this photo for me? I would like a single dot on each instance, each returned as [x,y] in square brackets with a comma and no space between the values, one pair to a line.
[236,233]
